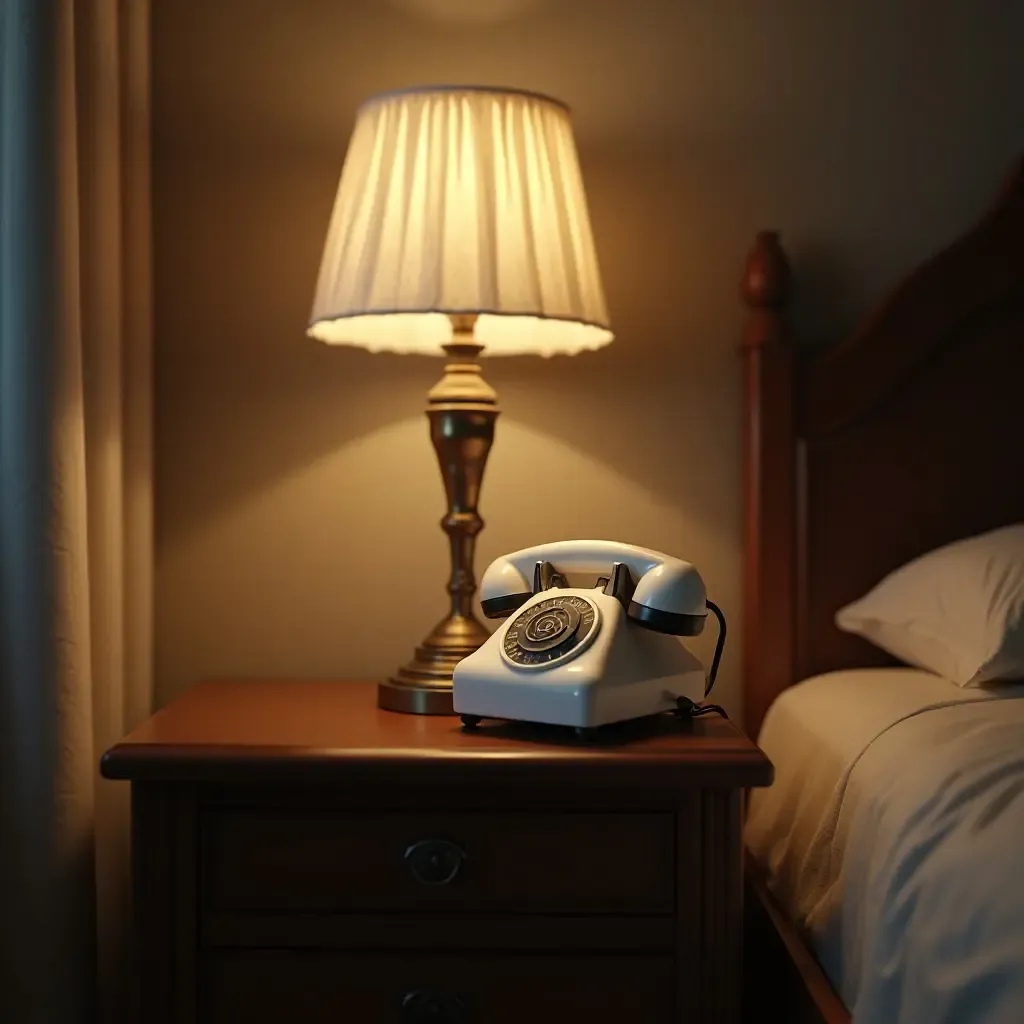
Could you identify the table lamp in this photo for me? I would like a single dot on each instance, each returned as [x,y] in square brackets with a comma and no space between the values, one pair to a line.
[460,224]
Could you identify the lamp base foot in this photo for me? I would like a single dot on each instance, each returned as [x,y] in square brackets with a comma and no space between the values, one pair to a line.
[424,686]
[393,695]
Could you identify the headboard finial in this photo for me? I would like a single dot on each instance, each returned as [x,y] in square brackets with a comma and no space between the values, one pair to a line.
[766,280]
[765,288]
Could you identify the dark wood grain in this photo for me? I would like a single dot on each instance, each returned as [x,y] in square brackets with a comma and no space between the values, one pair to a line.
[690,902]
[721,931]
[255,987]
[769,565]
[558,862]
[306,730]
[509,932]
[153,902]
[567,788]
[185,888]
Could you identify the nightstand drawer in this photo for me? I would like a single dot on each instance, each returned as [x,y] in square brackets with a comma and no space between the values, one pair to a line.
[371,988]
[515,862]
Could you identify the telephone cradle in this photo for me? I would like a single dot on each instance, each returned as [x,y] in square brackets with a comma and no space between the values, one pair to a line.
[585,655]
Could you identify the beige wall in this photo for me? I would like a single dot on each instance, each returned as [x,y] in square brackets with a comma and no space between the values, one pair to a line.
[297,494]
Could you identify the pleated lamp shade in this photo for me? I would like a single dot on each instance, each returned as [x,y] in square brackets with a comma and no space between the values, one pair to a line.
[458,200]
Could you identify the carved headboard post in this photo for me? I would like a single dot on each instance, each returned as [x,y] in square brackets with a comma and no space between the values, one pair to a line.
[769,471]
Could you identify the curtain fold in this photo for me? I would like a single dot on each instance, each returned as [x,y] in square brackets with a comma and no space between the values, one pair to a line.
[28,327]
[75,442]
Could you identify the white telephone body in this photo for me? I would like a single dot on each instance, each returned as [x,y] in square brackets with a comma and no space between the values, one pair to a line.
[585,656]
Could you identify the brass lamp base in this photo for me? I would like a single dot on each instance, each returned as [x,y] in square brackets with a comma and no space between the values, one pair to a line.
[424,686]
[462,408]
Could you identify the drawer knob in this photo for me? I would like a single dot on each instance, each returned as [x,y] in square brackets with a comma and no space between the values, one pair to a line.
[434,861]
[426,1007]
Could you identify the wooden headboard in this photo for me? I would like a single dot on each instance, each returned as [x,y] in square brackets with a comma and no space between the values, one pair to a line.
[906,436]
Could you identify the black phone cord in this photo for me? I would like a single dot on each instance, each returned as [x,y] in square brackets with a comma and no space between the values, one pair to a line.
[690,709]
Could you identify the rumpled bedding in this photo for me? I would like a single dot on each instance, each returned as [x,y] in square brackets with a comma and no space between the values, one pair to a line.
[894,836]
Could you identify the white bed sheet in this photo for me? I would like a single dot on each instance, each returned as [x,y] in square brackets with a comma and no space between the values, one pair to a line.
[847,833]
[812,734]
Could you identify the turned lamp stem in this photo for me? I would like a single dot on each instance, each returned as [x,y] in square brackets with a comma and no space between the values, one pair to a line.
[462,408]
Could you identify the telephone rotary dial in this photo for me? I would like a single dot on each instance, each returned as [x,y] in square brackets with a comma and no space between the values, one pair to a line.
[550,632]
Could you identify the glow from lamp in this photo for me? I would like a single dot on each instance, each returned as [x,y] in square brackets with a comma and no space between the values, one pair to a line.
[461,200]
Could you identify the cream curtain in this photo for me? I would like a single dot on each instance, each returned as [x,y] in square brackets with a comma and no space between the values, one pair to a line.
[75,494]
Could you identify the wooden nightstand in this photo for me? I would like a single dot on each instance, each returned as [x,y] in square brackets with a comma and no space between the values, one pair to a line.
[300,856]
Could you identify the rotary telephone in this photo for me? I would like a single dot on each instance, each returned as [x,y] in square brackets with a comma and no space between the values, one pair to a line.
[587,656]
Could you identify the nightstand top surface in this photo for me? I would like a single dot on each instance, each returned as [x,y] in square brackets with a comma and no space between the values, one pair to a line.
[234,729]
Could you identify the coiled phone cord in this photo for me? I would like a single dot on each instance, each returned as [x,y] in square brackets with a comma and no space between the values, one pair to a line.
[690,709]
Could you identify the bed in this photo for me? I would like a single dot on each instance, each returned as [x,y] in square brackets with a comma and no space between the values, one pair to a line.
[899,440]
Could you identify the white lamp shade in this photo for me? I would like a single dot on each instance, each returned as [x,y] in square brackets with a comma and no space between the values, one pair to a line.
[461,200]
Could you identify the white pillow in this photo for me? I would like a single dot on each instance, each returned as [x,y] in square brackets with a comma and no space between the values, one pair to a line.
[957,611]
